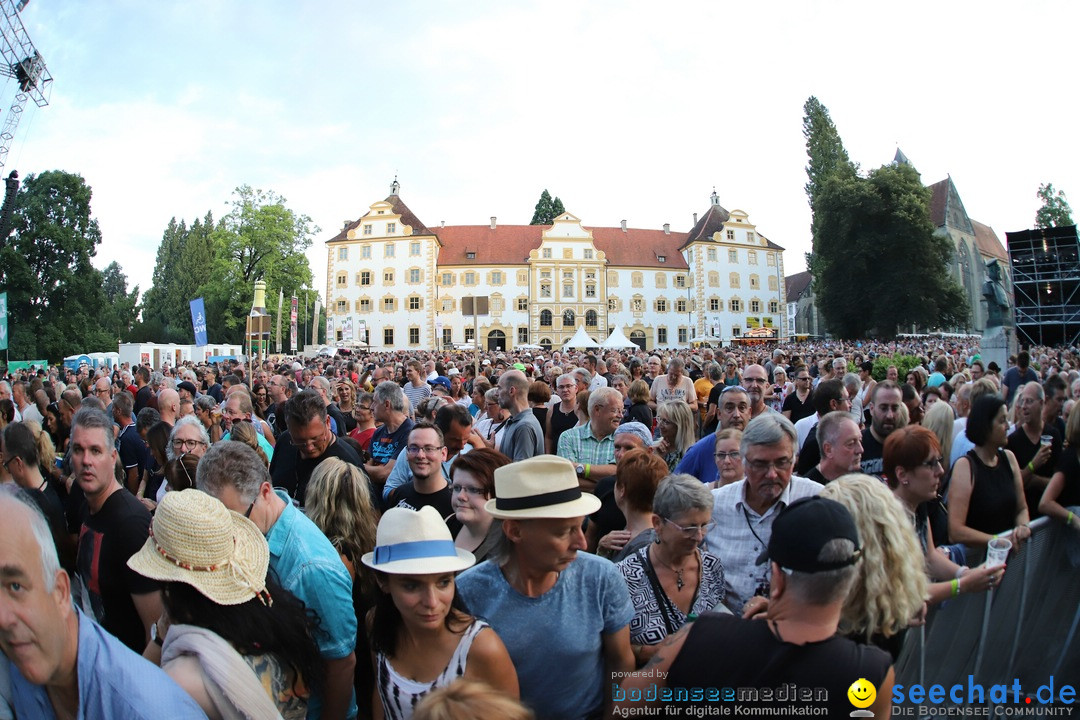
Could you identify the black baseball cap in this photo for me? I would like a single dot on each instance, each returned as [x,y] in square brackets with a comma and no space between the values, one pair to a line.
[189,386]
[803,528]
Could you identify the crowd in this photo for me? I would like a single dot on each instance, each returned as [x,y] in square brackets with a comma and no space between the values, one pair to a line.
[447,535]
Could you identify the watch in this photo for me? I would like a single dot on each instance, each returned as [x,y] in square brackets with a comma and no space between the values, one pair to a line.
[579,469]
[154,637]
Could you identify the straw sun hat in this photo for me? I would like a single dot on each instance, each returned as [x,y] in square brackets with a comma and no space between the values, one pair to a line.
[415,542]
[544,486]
[195,539]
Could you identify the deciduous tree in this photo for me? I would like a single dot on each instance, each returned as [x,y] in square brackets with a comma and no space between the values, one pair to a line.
[1055,210]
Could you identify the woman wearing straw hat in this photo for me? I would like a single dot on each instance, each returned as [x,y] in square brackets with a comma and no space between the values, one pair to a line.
[236,641]
[564,617]
[422,637]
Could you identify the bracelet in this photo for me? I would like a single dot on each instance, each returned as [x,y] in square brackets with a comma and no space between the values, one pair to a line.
[955,588]
[588,470]
[1068,520]
[1030,467]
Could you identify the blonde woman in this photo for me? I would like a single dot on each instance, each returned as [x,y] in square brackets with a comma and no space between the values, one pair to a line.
[890,591]
[339,503]
[675,421]
[244,432]
[939,420]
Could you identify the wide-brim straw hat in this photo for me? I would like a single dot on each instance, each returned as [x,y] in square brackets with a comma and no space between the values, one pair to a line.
[195,539]
[415,542]
[544,486]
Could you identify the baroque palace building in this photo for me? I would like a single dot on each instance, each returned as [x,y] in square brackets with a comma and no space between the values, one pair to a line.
[394,283]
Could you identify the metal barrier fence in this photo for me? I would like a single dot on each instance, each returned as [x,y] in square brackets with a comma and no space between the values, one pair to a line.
[1024,630]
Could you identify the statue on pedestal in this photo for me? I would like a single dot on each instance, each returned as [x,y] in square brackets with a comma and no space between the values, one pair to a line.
[997,303]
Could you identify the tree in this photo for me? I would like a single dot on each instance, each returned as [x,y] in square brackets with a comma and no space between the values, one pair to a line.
[260,238]
[878,262]
[824,148]
[55,294]
[1055,210]
[547,210]
[121,307]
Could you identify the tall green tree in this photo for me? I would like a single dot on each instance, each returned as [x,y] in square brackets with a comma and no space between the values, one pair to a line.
[1055,210]
[165,315]
[260,238]
[121,307]
[55,294]
[825,149]
[878,263]
[547,209]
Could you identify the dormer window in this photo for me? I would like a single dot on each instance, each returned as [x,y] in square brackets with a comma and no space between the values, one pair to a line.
[470,255]
[662,258]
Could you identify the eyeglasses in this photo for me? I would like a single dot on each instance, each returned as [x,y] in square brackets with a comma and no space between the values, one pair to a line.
[247,513]
[802,379]
[933,463]
[415,450]
[9,461]
[755,380]
[102,391]
[733,388]
[762,466]
[474,491]
[365,408]
[180,462]
[733,455]
[187,445]
[692,531]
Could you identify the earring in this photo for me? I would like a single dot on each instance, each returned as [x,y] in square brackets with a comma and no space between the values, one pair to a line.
[656,540]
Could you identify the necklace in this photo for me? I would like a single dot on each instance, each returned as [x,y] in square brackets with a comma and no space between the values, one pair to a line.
[679,582]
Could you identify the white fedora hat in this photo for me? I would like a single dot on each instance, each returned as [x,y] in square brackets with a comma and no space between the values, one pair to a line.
[544,486]
[415,542]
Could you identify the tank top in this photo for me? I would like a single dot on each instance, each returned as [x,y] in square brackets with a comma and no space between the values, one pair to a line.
[400,695]
[752,657]
[992,508]
[560,423]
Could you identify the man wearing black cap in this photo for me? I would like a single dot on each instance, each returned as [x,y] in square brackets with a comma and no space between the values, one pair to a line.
[811,554]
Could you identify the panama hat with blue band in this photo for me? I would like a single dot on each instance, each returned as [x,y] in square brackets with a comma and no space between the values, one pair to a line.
[415,542]
[544,486]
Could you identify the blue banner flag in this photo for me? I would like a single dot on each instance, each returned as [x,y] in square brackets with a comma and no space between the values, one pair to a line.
[198,321]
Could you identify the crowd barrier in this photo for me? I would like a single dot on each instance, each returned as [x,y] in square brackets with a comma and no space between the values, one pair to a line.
[1025,630]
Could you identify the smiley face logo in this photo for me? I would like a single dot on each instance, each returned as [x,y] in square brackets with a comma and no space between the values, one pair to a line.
[862,693]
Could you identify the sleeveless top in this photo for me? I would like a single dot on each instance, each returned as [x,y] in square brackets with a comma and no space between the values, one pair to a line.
[560,423]
[727,652]
[279,682]
[400,695]
[992,508]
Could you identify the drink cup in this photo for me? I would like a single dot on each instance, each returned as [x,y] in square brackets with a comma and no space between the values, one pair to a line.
[1046,439]
[997,551]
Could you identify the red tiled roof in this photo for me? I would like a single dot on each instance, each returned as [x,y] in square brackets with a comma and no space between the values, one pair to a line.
[795,285]
[712,222]
[511,244]
[398,207]
[988,243]
[939,199]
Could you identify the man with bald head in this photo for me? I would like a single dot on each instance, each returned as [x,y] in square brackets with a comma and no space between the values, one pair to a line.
[755,379]
[168,405]
[523,437]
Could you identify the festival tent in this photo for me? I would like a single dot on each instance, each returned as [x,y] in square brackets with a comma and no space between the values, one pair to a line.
[580,340]
[617,339]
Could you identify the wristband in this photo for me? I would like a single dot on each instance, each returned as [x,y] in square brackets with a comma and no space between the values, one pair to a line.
[955,588]
[1068,520]
[1029,467]
[588,470]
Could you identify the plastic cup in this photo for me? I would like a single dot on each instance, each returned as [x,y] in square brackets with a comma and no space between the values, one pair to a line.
[997,551]
[1046,439]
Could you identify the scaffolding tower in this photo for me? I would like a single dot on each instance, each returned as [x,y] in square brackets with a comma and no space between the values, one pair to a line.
[21,61]
[1046,285]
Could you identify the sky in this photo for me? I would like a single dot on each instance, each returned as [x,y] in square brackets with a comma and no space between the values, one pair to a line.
[625,110]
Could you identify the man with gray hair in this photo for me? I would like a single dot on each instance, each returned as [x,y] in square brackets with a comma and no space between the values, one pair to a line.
[322,386]
[523,437]
[58,655]
[591,447]
[744,511]
[840,440]
[302,559]
[388,407]
[811,566]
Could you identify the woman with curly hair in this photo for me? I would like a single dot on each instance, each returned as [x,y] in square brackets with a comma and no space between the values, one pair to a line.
[891,588]
[339,503]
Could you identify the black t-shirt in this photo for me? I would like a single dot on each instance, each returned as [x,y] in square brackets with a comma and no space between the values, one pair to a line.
[385,447]
[798,410]
[291,472]
[107,539]
[609,517]
[142,398]
[815,474]
[1025,450]
[1070,466]
[406,496]
[872,452]
[339,419]
[763,661]
[132,449]
[809,453]
[215,391]
[714,399]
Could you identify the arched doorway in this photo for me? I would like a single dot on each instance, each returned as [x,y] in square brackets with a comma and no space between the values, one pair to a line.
[496,340]
[638,338]
[546,344]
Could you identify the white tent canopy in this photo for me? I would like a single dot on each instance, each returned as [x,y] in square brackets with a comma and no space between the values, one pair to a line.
[617,339]
[580,340]
[527,346]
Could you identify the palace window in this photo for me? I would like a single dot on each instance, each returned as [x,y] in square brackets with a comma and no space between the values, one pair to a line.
[388,336]
[391,228]
[661,336]
[733,256]
[680,306]
[414,248]
[388,250]
[367,229]
[414,302]
[661,305]
[545,318]
[414,336]
[343,253]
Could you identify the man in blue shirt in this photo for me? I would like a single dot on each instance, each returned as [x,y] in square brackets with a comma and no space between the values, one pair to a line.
[301,557]
[62,663]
